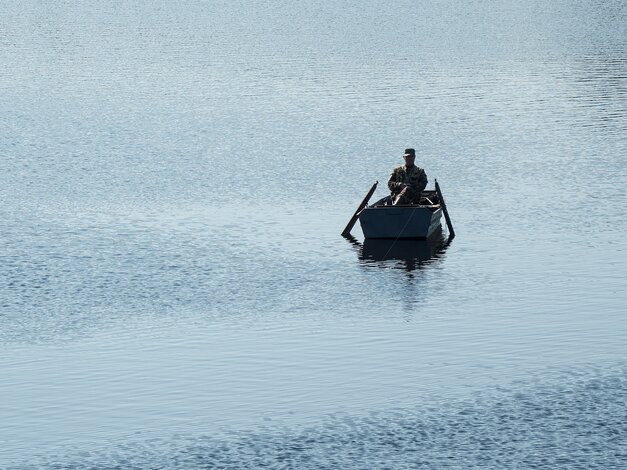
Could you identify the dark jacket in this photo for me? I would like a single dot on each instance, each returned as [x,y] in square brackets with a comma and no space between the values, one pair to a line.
[416,178]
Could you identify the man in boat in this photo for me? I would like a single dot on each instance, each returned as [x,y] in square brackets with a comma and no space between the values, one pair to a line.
[407,181]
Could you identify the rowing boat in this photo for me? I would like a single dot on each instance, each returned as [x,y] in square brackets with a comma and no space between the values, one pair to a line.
[383,220]
[414,221]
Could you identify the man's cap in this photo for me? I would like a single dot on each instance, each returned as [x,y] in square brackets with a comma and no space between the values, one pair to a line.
[409,153]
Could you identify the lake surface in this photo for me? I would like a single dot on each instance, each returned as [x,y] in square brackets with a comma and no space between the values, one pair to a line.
[174,292]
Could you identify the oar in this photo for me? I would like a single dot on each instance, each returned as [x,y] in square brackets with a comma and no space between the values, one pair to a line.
[351,223]
[451,232]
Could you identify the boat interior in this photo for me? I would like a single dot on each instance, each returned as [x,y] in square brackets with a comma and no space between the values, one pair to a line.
[428,198]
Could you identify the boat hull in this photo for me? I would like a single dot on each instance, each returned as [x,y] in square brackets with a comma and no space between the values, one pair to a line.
[400,221]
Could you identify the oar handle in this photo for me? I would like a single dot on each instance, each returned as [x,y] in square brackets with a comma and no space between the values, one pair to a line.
[449,224]
[351,223]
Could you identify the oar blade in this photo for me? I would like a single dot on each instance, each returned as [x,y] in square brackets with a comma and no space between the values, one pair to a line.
[449,224]
[351,223]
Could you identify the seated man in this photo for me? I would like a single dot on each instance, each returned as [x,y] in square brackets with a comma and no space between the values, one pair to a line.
[407,181]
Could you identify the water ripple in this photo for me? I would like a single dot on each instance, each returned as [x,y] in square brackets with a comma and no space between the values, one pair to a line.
[577,422]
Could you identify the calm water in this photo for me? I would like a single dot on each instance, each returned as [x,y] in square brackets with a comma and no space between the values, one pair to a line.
[174,292]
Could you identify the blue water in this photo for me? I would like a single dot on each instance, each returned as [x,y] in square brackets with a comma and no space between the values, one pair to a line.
[174,292]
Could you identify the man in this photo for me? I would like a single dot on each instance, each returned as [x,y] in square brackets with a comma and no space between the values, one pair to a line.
[407,181]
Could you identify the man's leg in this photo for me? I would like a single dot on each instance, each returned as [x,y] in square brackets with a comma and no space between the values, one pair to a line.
[403,198]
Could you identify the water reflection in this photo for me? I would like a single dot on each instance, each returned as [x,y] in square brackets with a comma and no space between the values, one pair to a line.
[409,255]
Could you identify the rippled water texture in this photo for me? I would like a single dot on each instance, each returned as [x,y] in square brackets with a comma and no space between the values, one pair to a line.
[174,292]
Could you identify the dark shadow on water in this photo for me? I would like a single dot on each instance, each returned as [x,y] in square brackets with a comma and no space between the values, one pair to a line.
[408,255]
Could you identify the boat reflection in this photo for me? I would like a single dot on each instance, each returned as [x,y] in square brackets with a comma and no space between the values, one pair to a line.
[404,254]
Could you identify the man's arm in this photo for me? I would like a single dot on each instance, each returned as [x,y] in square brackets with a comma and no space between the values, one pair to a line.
[422,181]
[394,185]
